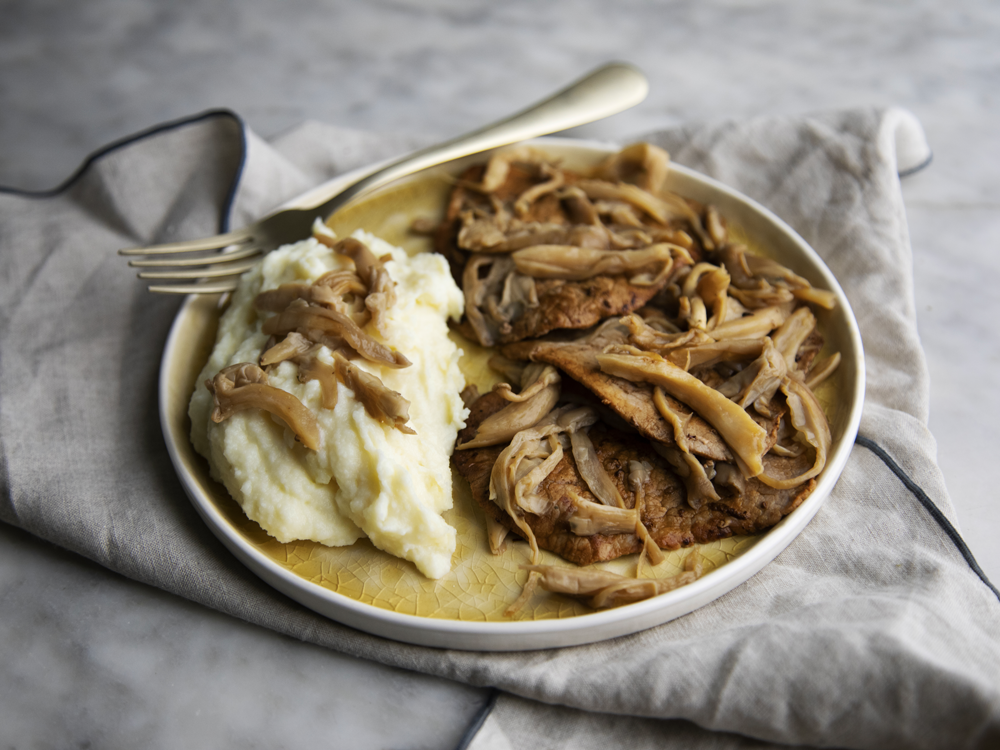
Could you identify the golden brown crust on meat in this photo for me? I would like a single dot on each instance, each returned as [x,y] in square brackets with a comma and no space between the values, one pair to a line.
[562,304]
[632,401]
[671,521]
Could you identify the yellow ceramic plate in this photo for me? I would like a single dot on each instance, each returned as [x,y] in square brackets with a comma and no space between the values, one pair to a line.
[367,589]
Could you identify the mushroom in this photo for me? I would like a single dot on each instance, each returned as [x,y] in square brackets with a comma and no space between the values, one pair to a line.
[244,386]
[521,466]
[822,370]
[302,316]
[590,518]
[746,438]
[756,325]
[645,336]
[710,353]
[539,394]
[556,180]
[692,472]
[495,295]
[757,382]
[576,263]
[638,476]
[311,367]
[588,464]
[641,164]
[499,165]
[790,335]
[290,347]
[601,588]
[382,403]
[812,428]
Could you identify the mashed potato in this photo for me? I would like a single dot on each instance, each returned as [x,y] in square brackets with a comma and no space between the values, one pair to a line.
[366,478]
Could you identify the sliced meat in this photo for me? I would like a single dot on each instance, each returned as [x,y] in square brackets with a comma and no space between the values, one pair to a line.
[671,522]
[632,401]
[477,222]
[578,305]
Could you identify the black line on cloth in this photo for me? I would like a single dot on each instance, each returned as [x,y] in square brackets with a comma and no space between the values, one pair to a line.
[935,512]
[94,156]
[478,720]
[922,165]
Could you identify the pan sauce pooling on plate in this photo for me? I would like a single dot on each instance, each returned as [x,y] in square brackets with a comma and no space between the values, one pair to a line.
[688,413]
[325,364]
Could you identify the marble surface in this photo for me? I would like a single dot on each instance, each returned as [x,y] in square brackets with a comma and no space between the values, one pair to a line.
[89,659]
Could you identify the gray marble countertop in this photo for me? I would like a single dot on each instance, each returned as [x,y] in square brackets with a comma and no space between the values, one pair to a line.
[90,659]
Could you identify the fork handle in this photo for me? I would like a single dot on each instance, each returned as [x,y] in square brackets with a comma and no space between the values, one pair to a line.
[606,91]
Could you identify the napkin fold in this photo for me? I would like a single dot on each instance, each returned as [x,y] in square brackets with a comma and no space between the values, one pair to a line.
[873,629]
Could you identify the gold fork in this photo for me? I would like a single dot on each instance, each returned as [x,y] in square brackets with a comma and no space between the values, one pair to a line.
[604,92]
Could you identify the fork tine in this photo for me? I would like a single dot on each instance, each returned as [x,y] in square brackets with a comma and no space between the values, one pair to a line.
[229,269]
[216,288]
[204,260]
[217,242]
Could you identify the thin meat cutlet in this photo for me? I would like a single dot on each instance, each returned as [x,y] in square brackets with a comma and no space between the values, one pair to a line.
[561,304]
[632,401]
[671,522]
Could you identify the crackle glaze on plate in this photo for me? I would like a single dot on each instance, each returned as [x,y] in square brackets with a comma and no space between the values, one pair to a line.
[365,588]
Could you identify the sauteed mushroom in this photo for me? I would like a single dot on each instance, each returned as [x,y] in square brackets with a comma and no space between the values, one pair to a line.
[244,386]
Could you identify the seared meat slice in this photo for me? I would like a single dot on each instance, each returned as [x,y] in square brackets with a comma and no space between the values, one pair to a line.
[632,401]
[571,304]
[485,229]
[745,506]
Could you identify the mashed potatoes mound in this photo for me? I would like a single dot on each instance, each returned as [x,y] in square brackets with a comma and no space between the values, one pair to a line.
[367,478]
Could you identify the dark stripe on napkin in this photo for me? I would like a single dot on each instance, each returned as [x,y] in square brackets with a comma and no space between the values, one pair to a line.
[935,512]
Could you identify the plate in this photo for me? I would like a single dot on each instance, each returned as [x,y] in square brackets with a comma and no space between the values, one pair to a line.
[366,589]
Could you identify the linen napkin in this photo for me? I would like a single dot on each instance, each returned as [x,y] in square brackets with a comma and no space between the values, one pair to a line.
[873,629]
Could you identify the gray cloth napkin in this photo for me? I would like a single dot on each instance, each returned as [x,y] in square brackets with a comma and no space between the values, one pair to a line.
[872,630]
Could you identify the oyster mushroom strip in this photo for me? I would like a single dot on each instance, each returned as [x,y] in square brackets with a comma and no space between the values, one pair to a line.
[539,394]
[757,278]
[705,286]
[304,317]
[690,348]
[244,386]
[298,349]
[823,370]
[531,456]
[380,288]
[643,335]
[556,180]
[498,166]
[756,325]
[490,234]
[662,208]
[593,518]
[691,471]
[745,438]
[757,382]
[790,335]
[588,464]
[810,423]
[602,589]
[382,403]
[638,476]
[494,299]
[329,290]
[576,263]
[715,352]
[766,268]
[640,164]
